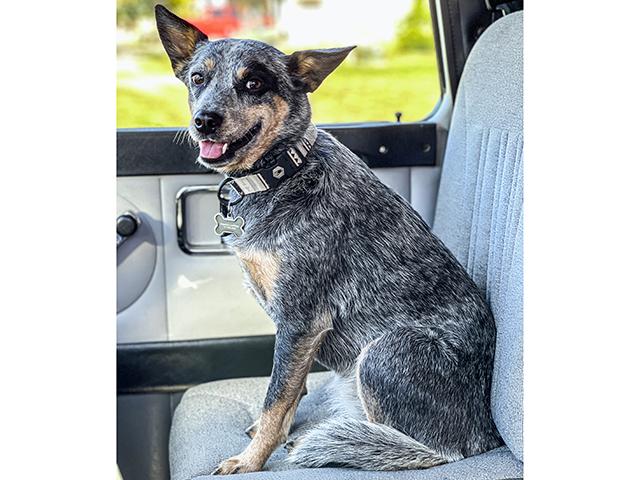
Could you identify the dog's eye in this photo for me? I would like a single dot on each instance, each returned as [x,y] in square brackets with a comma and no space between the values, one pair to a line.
[197,79]
[253,84]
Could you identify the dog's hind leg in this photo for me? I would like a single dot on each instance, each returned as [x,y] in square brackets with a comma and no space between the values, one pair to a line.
[424,404]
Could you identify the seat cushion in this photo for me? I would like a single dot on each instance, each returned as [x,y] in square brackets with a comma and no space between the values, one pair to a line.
[209,424]
[479,207]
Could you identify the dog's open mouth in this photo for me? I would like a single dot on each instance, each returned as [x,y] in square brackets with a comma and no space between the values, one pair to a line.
[215,153]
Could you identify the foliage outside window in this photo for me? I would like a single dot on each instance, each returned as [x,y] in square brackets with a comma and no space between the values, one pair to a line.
[393,69]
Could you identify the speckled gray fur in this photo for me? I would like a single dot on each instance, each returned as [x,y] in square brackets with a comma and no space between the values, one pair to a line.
[353,248]
[407,324]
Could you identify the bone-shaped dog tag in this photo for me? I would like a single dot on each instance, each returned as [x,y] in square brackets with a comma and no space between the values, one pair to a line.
[228,225]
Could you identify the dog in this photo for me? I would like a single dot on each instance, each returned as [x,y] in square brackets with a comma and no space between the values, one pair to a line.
[350,274]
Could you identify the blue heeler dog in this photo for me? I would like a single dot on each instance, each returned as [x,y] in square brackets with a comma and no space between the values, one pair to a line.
[348,271]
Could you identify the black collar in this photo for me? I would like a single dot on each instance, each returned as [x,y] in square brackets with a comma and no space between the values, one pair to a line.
[287,164]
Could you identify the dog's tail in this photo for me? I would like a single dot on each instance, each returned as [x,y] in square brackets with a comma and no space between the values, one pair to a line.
[364,445]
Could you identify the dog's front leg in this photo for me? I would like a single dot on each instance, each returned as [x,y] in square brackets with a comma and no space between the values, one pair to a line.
[293,356]
[253,428]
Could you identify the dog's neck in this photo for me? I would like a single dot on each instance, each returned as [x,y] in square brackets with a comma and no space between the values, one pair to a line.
[281,164]
[274,153]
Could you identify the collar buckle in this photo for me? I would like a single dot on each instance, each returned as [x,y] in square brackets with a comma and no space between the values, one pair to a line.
[287,165]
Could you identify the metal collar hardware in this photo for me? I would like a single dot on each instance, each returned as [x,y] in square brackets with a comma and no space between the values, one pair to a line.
[287,165]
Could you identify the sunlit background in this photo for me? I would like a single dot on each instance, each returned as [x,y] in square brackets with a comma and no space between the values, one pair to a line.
[392,70]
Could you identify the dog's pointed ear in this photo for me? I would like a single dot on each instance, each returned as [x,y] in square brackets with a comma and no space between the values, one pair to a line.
[308,68]
[179,38]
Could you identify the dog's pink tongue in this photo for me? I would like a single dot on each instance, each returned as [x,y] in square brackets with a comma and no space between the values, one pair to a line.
[211,150]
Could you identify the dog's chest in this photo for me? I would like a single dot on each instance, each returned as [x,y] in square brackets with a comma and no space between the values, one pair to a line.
[261,269]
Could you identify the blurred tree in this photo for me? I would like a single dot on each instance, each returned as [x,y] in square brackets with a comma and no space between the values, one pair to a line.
[250,3]
[414,31]
[266,6]
[130,11]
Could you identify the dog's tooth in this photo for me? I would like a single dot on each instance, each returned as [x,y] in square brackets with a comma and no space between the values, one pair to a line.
[224,148]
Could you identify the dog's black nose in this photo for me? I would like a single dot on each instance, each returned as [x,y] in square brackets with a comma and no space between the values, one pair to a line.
[206,122]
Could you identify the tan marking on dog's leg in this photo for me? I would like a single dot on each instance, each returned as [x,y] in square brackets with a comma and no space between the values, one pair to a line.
[276,419]
[290,415]
[263,268]
[286,424]
[288,420]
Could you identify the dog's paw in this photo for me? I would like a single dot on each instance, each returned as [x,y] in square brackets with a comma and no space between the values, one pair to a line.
[252,429]
[235,465]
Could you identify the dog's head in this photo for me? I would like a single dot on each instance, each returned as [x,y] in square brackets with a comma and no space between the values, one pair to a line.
[244,95]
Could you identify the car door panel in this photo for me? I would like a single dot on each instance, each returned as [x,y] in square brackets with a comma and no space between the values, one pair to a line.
[188,296]
[176,281]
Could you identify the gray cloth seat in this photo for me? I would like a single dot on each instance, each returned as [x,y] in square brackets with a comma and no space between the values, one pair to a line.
[211,418]
[479,217]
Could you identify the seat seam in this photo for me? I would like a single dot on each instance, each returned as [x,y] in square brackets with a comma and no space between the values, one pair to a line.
[495,215]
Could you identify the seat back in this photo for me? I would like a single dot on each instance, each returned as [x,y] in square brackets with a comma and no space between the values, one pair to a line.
[479,207]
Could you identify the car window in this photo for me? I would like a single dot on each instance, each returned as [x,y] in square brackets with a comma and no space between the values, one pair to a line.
[394,68]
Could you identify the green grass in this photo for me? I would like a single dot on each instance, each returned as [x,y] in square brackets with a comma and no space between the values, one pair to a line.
[363,90]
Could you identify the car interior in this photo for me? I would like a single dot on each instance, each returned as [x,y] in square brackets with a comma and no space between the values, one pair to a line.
[195,349]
